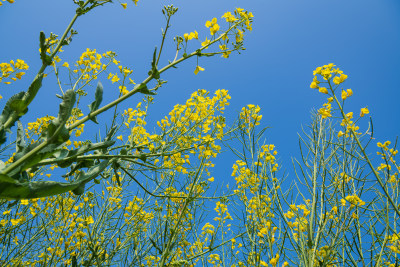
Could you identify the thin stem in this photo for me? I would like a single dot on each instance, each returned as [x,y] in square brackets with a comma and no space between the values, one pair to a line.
[14,115]
[163,39]
[378,178]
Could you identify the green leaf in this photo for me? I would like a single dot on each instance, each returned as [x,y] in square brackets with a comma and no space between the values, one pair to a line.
[20,142]
[11,189]
[44,153]
[81,164]
[62,135]
[65,154]
[3,136]
[66,157]
[142,88]
[33,89]
[67,105]
[143,157]
[6,179]
[7,111]
[108,138]
[98,97]
[18,105]
[64,113]
[154,72]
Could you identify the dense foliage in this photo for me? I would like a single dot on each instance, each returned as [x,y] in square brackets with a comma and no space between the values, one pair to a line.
[140,197]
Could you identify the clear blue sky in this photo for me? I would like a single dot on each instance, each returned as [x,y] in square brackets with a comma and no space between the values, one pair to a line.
[289,40]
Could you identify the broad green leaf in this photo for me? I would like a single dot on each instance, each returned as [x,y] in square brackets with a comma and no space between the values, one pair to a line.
[35,159]
[64,154]
[33,89]
[142,88]
[65,110]
[7,111]
[18,106]
[67,105]
[20,142]
[11,189]
[98,97]
[6,179]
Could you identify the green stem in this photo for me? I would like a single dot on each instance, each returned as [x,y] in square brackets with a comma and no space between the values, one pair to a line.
[145,82]
[14,116]
[174,231]
[378,178]
[163,39]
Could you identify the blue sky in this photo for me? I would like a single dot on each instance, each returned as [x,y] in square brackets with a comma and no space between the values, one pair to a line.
[289,40]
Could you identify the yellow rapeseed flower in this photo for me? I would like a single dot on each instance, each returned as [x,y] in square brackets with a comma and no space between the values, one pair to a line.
[198,68]
[364,111]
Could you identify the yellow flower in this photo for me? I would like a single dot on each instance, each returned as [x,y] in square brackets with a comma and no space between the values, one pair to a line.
[124,5]
[229,17]
[339,80]
[65,65]
[274,261]
[19,75]
[15,221]
[198,68]
[186,36]
[120,138]
[323,90]
[135,1]
[211,23]
[211,179]
[214,29]
[340,134]
[325,111]
[126,71]
[313,85]
[239,36]
[349,92]
[364,111]
[123,90]
[6,212]
[89,220]
[115,78]
[194,35]
[346,94]
[206,42]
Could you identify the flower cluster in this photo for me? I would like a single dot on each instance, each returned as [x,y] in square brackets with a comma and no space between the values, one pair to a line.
[14,68]
[38,127]
[238,23]
[10,1]
[390,168]
[354,200]
[89,65]
[125,5]
[250,117]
